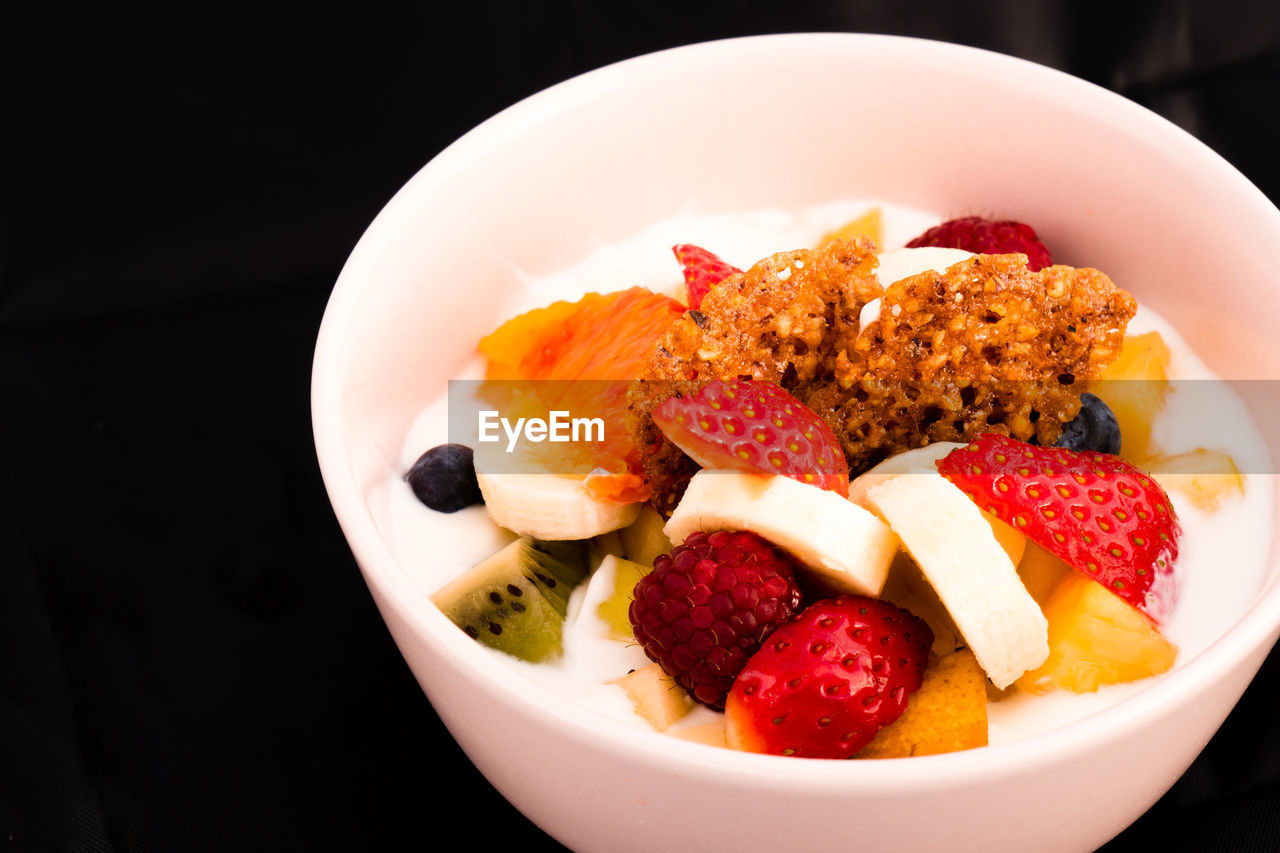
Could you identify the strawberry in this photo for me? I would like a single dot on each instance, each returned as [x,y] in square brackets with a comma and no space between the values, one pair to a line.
[827,681]
[1096,512]
[987,236]
[755,427]
[702,271]
[707,606]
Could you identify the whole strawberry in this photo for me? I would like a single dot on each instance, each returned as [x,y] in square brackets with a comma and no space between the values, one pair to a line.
[702,271]
[826,682]
[1095,511]
[757,427]
[987,237]
[707,606]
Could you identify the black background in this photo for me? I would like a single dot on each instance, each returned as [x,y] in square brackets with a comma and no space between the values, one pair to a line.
[189,659]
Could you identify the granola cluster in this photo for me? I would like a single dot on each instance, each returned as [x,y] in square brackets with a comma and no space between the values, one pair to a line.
[987,346]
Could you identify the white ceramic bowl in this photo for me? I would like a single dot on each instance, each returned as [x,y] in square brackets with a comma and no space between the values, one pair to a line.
[788,121]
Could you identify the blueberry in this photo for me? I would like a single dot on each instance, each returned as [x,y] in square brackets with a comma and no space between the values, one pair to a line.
[444,478]
[1094,428]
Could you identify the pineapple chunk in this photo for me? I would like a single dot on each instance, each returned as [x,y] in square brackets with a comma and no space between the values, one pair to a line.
[1040,572]
[613,611]
[866,225]
[1134,386]
[655,695]
[1096,638]
[1204,477]
[643,541]
[947,714]
[1013,542]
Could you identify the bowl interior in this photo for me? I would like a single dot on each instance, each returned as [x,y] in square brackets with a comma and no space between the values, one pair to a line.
[782,121]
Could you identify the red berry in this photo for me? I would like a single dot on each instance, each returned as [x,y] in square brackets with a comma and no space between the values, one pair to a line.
[987,237]
[1098,513]
[826,682]
[702,271]
[755,427]
[707,606]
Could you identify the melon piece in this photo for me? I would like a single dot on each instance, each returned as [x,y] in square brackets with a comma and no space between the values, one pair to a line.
[947,714]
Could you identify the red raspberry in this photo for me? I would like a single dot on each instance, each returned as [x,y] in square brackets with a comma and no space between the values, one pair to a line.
[1099,514]
[987,237]
[702,271]
[707,606]
[826,682]
[756,427]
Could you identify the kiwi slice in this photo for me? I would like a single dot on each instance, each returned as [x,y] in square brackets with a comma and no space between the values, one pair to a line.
[516,600]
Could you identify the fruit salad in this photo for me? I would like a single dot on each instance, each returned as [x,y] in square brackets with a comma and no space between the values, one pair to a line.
[872,483]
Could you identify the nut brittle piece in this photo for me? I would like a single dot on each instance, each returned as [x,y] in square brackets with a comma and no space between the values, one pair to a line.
[785,320]
[987,346]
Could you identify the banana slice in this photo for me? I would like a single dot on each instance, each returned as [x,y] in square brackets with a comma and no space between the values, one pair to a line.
[952,543]
[897,264]
[837,540]
[551,506]
[918,461]
[921,461]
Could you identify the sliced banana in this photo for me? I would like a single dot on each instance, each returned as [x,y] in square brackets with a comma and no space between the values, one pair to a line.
[951,541]
[897,264]
[839,541]
[921,461]
[551,506]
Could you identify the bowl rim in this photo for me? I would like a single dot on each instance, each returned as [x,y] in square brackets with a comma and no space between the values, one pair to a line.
[1256,630]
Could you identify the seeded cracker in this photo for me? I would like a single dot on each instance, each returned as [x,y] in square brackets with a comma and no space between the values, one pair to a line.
[987,346]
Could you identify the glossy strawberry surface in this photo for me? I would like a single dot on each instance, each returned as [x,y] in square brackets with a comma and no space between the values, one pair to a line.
[703,270]
[1098,513]
[826,682]
[757,427]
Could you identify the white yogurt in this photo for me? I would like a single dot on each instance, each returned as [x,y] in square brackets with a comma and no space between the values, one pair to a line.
[1223,558]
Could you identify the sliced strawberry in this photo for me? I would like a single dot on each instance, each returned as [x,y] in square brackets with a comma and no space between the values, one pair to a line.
[756,427]
[702,271]
[822,685]
[1098,513]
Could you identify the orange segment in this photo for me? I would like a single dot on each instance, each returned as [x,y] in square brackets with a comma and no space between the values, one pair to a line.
[589,351]
[601,336]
